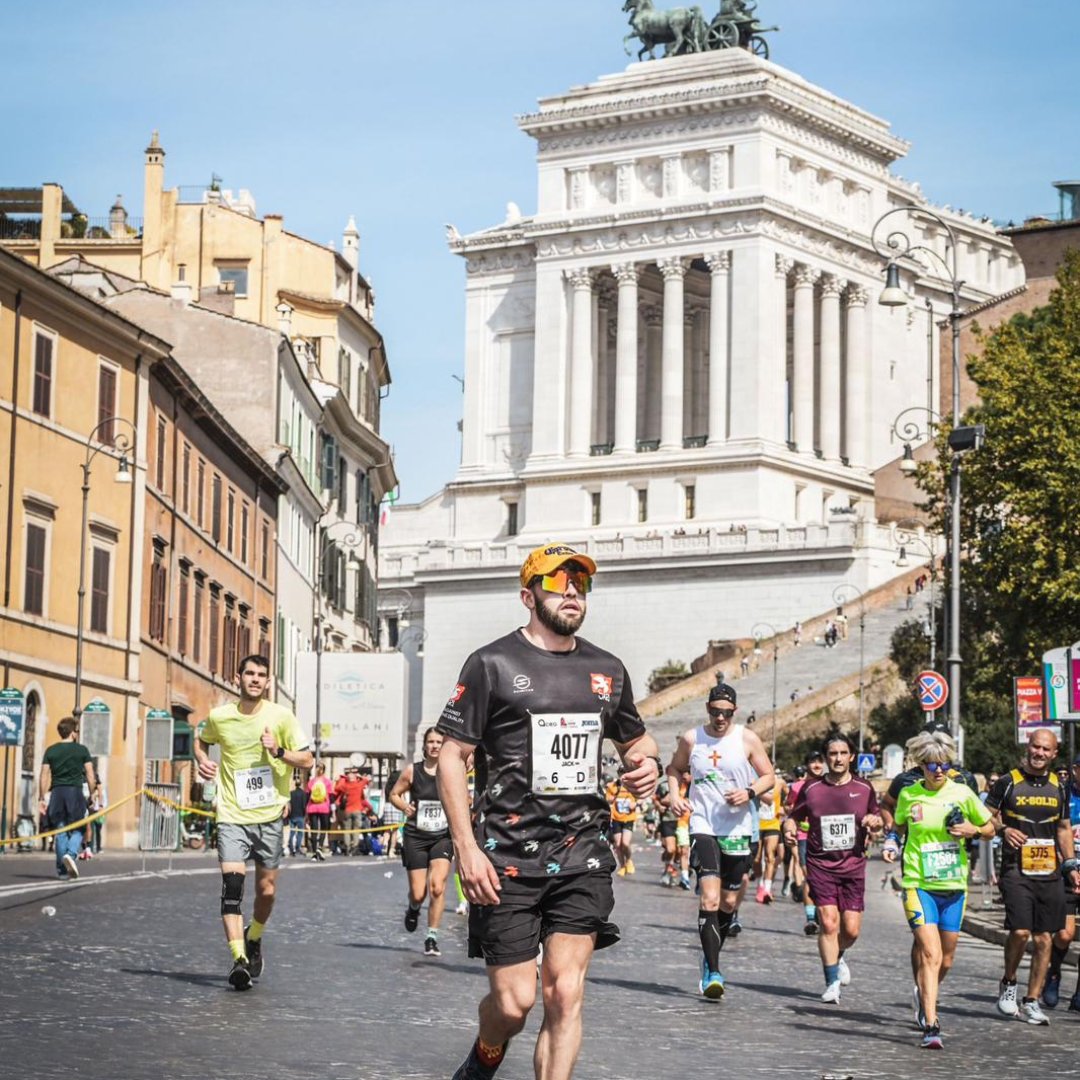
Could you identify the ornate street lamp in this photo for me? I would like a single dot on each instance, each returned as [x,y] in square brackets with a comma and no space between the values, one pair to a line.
[114,442]
[839,594]
[895,245]
[758,633]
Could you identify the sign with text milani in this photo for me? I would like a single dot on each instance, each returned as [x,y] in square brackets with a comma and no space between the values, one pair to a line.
[1061,669]
[1028,707]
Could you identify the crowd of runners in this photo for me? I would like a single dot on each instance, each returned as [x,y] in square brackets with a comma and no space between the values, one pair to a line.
[514,793]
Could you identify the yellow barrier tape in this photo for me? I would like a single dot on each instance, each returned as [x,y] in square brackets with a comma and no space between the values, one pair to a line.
[74,825]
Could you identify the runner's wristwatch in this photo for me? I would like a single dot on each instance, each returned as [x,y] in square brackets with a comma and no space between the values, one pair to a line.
[279,753]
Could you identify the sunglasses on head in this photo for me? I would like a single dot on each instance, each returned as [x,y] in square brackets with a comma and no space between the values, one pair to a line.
[722,714]
[937,766]
[558,580]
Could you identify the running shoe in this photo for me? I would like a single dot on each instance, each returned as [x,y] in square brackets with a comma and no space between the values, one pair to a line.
[621,872]
[684,882]
[412,919]
[666,880]
[931,1037]
[832,993]
[1006,1003]
[712,982]
[845,972]
[462,908]
[785,888]
[735,929]
[472,1068]
[254,955]
[811,927]
[71,866]
[240,976]
[1030,1013]
[431,947]
[761,895]
[1074,1002]
[916,1002]
[630,868]
[1052,991]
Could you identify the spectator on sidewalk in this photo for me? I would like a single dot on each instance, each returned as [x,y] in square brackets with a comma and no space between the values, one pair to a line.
[66,766]
[744,665]
[796,634]
[318,811]
[298,800]
[391,815]
[351,793]
[98,802]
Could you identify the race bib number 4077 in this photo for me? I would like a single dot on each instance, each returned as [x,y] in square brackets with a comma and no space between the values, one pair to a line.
[565,753]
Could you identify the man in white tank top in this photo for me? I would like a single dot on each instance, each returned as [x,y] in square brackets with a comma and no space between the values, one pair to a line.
[729,769]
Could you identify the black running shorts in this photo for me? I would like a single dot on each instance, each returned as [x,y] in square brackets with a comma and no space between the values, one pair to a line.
[531,909]
[1035,904]
[418,850]
[712,862]
[667,829]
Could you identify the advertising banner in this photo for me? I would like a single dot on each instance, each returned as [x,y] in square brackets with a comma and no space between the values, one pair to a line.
[12,717]
[361,705]
[1058,683]
[1028,707]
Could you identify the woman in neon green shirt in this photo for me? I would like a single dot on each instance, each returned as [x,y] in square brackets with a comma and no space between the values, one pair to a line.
[939,816]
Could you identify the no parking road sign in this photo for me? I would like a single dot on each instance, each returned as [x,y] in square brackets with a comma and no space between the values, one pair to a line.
[932,689]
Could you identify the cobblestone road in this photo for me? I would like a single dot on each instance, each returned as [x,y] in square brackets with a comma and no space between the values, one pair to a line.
[126,982]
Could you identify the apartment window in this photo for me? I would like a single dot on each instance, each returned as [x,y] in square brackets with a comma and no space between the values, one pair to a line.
[230,520]
[264,640]
[107,406]
[237,276]
[245,526]
[343,486]
[159,455]
[281,668]
[362,487]
[197,618]
[328,462]
[345,373]
[643,504]
[228,661]
[215,628]
[264,556]
[100,574]
[200,493]
[182,610]
[215,508]
[185,480]
[512,519]
[158,584]
[690,502]
[34,580]
[243,636]
[43,374]
[594,500]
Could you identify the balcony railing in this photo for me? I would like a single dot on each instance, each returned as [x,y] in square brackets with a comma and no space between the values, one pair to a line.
[20,228]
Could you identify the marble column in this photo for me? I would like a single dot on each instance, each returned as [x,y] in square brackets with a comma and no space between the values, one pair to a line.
[858,363]
[803,381]
[581,362]
[626,346]
[654,325]
[784,267]
[689,373]
[671,378]
[719,264]
[830,403]
[605,302]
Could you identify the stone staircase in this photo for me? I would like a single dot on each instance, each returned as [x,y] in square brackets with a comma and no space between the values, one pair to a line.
[825,680]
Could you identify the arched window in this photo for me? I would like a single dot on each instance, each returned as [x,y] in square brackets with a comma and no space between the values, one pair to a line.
[33,707]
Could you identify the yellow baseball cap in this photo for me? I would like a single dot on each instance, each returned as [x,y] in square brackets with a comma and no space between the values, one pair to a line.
[548,557]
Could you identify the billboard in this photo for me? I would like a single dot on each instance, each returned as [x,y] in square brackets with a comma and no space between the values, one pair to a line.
[1028,707]
[1059,683]
[361,701]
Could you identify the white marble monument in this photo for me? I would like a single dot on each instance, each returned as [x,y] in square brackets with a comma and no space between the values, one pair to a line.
[678,363]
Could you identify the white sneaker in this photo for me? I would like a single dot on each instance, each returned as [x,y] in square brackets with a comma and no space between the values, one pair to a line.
[845,972]
[1006,1002]
[1031,1013]
[71,865]
[462,908]
[832,993]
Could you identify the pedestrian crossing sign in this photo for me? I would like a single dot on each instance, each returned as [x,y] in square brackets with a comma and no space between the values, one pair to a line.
[867,763]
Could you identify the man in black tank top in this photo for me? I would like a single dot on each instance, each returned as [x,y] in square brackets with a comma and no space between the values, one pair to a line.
[427,850]
[536,707]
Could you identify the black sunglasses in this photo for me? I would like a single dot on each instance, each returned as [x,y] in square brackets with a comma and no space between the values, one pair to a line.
[726,714]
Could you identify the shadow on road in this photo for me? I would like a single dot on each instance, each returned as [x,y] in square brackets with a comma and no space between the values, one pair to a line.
[193,977]
[653,989]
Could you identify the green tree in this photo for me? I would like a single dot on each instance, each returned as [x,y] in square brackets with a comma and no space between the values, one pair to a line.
[1021,569]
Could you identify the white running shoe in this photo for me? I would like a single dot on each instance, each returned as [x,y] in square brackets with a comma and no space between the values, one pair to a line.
[1031,1013]
[71,866]
[1006,1003]
[832,993]
[845,972]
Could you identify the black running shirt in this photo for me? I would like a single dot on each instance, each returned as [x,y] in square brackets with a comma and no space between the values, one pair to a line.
[538,720]
[1034,805]
[430,820]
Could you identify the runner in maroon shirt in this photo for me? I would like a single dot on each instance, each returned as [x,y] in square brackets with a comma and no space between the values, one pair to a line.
[841,809]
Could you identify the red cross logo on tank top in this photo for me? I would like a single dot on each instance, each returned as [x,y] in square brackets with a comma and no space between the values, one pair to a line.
[715,758]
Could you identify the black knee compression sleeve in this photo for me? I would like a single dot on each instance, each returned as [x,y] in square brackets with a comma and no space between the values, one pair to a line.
[232,893]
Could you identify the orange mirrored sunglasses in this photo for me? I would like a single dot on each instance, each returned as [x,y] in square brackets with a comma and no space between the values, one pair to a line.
[557,581]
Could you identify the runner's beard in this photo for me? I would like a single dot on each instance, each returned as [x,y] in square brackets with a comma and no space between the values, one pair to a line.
[564,625]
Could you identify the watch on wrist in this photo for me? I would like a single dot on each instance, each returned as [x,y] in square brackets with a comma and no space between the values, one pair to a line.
[279,753]
[751,792]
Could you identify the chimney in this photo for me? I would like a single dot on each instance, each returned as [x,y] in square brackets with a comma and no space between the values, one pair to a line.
[350,244]
[52,206]
[284,312]
[181,292]
[153,240]
[118,219]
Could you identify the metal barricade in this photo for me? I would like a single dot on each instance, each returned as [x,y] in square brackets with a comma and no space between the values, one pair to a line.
[159,823]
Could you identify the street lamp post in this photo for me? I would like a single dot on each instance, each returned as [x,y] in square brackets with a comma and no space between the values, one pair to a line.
[758,633]
[350,540]
[117,443]
[894,245]
[904,536]
[838,599]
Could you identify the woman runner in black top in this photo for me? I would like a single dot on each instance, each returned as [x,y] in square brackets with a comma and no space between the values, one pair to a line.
[427,850]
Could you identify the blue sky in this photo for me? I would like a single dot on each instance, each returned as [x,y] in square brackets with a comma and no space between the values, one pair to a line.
[402,113]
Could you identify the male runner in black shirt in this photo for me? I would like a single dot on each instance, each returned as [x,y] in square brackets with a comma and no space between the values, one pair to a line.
[536,706]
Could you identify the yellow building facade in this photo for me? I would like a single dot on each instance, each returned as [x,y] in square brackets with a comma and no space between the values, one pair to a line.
[74,380]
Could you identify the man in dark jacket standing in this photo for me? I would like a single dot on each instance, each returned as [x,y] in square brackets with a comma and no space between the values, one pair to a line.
[66,766]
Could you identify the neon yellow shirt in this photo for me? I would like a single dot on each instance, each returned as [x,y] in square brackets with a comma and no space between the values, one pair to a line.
[253,787]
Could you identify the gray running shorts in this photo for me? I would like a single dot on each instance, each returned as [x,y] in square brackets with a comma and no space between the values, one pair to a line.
[262,842]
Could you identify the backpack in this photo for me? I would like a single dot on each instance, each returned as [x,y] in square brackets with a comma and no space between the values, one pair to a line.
[318,791]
